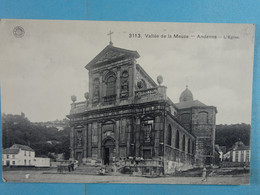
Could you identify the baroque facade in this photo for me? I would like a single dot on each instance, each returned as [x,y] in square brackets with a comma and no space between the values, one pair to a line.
[128,115]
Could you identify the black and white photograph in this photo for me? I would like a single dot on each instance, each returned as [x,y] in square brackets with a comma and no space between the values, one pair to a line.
[126,102]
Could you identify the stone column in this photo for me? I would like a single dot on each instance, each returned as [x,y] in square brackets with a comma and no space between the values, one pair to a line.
[89,140]
[100,88]
[137,136]
[117,138]
[128,137]
[131,82]
[118,82]
[99,140]
[157,136]
[72,143]
[90,89]
[85,137]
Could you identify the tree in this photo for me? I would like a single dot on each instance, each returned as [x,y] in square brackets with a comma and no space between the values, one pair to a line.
[228,135]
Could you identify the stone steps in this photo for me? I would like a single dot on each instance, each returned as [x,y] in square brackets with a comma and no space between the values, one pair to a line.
[92,170]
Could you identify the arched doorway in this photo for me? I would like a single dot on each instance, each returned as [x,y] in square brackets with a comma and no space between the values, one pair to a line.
[108,151]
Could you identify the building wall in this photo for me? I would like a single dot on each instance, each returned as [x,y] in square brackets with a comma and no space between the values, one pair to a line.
[23,158]
[135,123]
[179,152]
[201,121]
[240,156]
[41,162]
[125,129]
[125,85]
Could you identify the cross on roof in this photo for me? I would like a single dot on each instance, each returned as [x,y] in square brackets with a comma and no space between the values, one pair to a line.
[110,33]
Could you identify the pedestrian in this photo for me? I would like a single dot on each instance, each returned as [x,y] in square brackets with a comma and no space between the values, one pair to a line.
[72,166]
[204,174]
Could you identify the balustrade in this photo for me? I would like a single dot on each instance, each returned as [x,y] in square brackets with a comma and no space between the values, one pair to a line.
[146,92]
[110,98]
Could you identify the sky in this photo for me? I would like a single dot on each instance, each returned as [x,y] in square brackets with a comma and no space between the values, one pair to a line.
[41,70]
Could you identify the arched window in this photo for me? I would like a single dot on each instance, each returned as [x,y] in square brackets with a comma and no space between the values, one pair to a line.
[111,86]
[177,140]
[189,146]
[203,117]
[169,135]
[183,143]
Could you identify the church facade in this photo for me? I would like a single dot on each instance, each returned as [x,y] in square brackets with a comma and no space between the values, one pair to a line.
[128,115]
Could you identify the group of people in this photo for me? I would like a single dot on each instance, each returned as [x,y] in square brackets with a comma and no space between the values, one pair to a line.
[71,167]
[67,166]
[102,171]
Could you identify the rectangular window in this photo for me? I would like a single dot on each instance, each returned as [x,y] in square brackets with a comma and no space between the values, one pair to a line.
[242,156]
[13,156]
[29,153]
[13,162]
[24,162]
[247,156]
[7,156]
[24,153]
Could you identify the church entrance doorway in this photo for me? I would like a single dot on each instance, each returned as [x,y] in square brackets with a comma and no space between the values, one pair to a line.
[79,156]
[108,151]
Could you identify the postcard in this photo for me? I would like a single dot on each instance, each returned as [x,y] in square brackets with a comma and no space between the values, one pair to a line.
[126,102]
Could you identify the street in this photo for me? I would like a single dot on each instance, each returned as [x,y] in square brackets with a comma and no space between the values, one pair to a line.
[51,177]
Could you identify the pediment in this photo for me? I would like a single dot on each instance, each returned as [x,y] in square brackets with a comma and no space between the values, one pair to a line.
[111,54]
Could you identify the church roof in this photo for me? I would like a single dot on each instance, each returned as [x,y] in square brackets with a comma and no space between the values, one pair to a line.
[189,104]
[186,101]
[110,54]
[10,151]
[186,95]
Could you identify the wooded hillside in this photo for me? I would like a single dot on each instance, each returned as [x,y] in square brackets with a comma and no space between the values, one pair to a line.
[228,135]
[17,129]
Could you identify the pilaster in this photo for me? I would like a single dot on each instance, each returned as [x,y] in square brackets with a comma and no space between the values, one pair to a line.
[137,137]
[117,138]
[89,140]
[99,140]
[72,143]
[85,137]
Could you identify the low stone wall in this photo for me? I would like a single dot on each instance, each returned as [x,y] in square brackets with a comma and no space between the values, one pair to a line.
[92,162]
[177,160]
[173,166]
[233,164]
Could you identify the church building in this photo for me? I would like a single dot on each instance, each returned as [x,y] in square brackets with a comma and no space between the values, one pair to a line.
[126,114]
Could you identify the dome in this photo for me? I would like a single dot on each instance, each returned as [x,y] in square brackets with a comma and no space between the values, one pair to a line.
[186,95]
